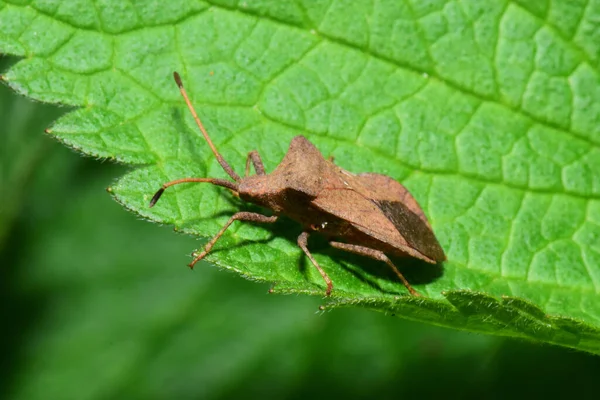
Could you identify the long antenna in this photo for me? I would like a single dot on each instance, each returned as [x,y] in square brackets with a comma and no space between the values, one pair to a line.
[220,158]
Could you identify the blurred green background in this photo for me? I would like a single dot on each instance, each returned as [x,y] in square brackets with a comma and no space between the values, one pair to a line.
[98,304]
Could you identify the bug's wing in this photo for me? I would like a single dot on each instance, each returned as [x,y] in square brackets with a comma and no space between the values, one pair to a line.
[384,188]
[412,228]
[383,209]
[401,208]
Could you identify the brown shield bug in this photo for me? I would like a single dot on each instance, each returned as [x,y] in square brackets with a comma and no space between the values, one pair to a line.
[367,214]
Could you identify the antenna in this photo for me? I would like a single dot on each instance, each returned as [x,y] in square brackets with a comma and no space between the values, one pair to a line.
[220,158]
[215,181]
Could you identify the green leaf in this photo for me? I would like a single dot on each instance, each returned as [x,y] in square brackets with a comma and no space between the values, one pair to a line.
[95,295]
[487,111]
[82,283]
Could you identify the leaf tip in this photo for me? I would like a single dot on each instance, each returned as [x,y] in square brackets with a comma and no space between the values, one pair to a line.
[48,131]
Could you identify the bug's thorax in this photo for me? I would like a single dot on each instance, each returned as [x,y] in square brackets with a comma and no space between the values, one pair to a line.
[300,177]
[273,192]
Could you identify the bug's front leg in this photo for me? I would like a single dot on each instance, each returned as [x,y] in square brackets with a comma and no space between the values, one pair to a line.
[259,167]
[240,216]
[302,242]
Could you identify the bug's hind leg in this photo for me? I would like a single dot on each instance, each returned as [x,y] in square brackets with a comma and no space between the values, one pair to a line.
[240,216]
[254,158]
[302,242]
[377,255]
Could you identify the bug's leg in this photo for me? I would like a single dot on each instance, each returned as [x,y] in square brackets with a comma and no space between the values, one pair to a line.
[331,159]
[377,255]
[259,167]
[302,242]
[241,216]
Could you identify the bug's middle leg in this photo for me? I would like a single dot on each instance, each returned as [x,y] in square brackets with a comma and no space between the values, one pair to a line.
[240,216]
[377,255]
[302,242]
[254,157]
